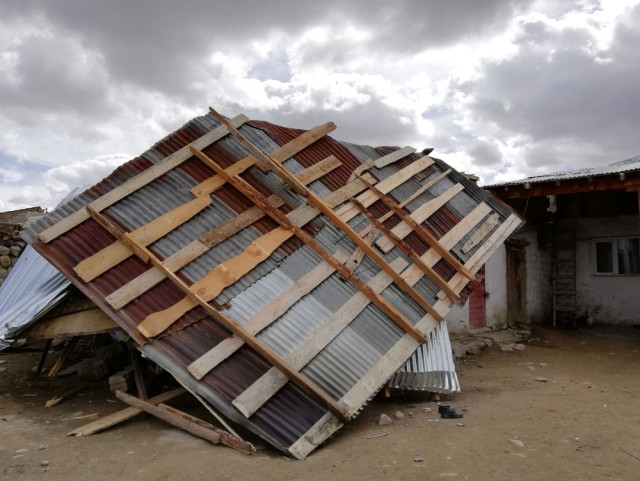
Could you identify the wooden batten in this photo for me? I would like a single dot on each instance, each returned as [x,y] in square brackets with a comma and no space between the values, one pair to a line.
[261,348]
[481,233]
[249,401]
[259,200]
[139,181]
[393,157]
[112,255]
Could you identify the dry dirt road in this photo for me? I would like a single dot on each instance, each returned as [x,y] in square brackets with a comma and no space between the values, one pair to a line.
[580,420]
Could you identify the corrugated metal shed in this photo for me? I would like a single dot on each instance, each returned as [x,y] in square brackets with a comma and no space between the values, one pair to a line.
[629,165]
[184,250]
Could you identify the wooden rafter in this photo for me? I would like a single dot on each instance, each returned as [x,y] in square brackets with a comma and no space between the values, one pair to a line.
[305,237]
[260,347]
[421,231]
[328,212]
[404,247]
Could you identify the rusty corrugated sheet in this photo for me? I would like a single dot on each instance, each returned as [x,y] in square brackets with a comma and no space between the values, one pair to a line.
[285,420]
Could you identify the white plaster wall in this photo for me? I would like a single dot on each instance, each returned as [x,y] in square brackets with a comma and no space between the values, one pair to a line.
[539,291]
[496,289]
[458,319]
[610,299]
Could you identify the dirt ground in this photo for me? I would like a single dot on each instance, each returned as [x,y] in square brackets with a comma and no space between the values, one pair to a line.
[566,407]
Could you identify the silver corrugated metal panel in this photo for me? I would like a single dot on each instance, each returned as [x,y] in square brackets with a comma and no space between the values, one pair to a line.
[627,165]
[431,368]
[32,288]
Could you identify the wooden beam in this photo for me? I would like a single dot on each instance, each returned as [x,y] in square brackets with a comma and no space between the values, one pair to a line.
[261,348]
[319,170]
[252,398]
[335,219]
[230,271]
[188,423]
[142,179]
[152,277]
[121,416]
[404,247]
[82,323]
[63,356]
[394,156]
[422,232]
[264,317]
[481,233]
[419,215]
[259,200]
[283,153]
[114,254]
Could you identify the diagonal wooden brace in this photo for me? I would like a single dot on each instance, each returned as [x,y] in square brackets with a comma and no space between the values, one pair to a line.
[305,237]
[302,381]
[421,231]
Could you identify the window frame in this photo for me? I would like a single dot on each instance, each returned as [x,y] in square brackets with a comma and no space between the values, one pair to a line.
[614,250]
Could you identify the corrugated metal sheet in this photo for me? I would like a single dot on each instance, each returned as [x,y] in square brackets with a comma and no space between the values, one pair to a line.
[629,165]
[350,355]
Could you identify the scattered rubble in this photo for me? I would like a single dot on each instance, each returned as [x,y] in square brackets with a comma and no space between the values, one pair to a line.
[384,420]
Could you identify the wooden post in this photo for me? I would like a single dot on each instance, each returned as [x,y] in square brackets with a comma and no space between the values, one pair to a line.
[63,356]
[188,423]
[43,358]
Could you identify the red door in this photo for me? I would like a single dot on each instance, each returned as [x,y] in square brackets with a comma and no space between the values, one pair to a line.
[477,317]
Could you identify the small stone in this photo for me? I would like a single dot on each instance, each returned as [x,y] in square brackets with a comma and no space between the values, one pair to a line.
[44,462]
[15,251]
[418,459]
[3,369]
[542,379]
[517,442]
[542,364]
[506,347]
[519,347]
[43,446]
[410,414]
[426,410]
[398,415]
[5,261]
[460,425]
[4,251]
[384,420]
[480,365]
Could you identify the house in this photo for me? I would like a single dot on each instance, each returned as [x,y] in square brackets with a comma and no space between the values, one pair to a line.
[279,274]
[577,260]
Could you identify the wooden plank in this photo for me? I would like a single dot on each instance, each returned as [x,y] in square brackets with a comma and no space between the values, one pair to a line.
[481,233]
[63,356]
[335,219]
[214,182]
[226,438]
[82,323]
[393,157]
[121,416]
[419,215]
[404,247]
[114,254]
[231,270]
[319,170]
[328,424]
[152,277]
[220,277]
[305,237]
[176,261]
[258,393]
[387,185]
[149,175]
[315,436]
[283,153]
[201,429]
[257,345]
[358,254]
[420,231]
[264,317]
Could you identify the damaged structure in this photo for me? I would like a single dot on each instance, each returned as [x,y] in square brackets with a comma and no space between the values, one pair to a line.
[282,276]
[577,261]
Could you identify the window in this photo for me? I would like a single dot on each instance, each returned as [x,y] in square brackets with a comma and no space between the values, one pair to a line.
[618,256]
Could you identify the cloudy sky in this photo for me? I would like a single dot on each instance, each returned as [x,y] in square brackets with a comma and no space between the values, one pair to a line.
[503,89]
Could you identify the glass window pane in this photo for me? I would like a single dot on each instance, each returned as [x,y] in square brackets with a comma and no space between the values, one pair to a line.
[628,256]
[604,257]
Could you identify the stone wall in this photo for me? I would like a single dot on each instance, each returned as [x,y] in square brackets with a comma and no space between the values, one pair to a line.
[10,249]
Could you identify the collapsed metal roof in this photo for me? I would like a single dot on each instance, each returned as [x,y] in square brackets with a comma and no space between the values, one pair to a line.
[286,289]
